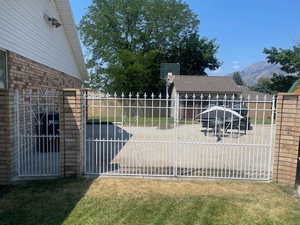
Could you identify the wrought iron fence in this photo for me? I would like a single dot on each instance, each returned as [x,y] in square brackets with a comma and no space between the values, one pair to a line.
[187,135]
[37,134]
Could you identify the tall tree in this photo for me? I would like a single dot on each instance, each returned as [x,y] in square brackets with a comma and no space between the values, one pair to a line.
[167,27]
[289,59]
[237,78]
[139,25]
[277,83]
[194,54]
[136,72]
[281,83]
[263,85]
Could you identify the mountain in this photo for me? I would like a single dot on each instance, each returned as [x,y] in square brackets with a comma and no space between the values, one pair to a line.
[252,73]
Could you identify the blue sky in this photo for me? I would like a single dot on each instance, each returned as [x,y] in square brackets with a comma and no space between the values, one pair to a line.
[241,28]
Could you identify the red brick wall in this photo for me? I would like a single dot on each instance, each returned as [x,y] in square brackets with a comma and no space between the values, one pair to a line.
[27,74]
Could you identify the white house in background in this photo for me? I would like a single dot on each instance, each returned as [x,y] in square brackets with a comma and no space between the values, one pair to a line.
[39,46]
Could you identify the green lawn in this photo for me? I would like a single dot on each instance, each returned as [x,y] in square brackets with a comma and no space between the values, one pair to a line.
[138,201]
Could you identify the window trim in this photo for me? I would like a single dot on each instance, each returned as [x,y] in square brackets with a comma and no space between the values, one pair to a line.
[6,69]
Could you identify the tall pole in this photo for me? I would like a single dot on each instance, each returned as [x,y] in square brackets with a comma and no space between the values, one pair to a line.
[167,89]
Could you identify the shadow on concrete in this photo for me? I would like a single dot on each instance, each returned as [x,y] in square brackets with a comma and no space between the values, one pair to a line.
[104,143]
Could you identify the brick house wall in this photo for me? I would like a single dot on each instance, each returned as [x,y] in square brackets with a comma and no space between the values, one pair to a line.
[6,134]
[24,74]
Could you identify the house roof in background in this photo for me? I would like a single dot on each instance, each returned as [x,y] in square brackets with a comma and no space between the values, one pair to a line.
[208,84]
[67,19]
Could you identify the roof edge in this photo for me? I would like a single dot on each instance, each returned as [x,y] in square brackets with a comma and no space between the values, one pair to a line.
[67,19]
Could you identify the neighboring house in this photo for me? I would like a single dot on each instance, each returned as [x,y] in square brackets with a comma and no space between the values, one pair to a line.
[205,89]
[295,87]
[39,46]
[183,89]
[184,84]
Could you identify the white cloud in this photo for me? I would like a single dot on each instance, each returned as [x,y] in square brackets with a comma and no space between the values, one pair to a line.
[236,65]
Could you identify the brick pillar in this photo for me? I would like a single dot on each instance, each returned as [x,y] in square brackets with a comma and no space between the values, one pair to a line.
[286,151]
[71,133]
[6,135]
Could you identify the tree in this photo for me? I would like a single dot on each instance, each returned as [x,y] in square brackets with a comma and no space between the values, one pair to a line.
[168,27]
[136,72]
[289,59]
[281,83]
[237,78]
[194,54]
[277,83]
[139,25]
[263,85]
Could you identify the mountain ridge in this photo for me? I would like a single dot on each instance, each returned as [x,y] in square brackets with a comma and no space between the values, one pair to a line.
[252,73]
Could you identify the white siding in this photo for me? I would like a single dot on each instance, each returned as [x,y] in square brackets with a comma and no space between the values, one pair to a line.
[23,30]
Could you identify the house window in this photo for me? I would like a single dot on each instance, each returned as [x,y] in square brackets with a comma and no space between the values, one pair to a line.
[3,70]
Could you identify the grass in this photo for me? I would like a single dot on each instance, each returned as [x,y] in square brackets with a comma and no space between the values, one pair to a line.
[138,202]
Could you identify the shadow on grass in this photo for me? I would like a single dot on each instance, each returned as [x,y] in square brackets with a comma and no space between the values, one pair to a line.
[41,202]
[4,190]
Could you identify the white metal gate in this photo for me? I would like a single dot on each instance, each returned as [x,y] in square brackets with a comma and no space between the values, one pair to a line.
[37,134]
[188,135]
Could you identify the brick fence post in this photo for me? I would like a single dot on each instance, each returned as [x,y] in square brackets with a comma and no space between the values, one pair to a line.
[6,136]
[286,151]
[71,133]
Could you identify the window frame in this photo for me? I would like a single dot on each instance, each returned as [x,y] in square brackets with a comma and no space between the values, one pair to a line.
[6,69]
